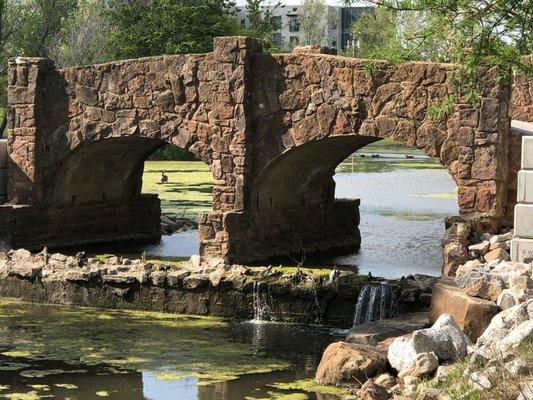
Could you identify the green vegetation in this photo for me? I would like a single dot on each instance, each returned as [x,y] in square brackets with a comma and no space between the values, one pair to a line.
[469,33]
[189,188]
[309,385]
[134,340]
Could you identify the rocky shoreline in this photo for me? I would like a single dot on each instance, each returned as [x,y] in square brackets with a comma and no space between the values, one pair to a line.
[480,345]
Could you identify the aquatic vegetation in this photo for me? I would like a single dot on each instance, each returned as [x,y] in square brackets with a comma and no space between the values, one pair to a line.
[309,385]
[410,216]
[66,386]
[281,396]
[189,188]
[4,387]
[43,388]
[17,353]
[22,396]
[132,340]
[102,393]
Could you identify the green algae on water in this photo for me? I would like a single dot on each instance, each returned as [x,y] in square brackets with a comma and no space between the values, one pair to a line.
[129,340]
[22,396]
[309,385]
[69,386]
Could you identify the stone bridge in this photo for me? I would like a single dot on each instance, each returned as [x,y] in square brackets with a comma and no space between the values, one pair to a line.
[271,127]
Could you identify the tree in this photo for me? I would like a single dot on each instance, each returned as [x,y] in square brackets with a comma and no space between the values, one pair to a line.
[152,27]
[312,22]
[41,22]
[470,33]
[85,36]
[263,22]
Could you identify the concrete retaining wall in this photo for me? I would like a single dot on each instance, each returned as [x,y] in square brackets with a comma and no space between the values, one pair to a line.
[522,244]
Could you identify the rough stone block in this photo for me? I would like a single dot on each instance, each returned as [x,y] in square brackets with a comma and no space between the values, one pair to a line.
[522,250]
[3,153]
[523,220]
[473,315]
[525,186]
[527,152]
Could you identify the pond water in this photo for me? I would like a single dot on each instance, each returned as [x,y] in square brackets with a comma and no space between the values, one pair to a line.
[84,353]
[403,205]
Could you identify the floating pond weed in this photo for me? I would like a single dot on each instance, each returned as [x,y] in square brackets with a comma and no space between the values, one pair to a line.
[131,340]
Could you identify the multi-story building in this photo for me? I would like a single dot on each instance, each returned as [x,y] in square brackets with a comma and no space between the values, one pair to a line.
[336,19]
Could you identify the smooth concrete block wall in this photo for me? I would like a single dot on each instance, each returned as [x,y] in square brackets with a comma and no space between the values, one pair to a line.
[523,221]
[522,243]
[522,250]
[527,152]
[525,186]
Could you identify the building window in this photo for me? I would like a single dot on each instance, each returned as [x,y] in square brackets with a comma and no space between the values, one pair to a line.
[294,41]
[277,22]
[277,39]
[294,25]
[243,23]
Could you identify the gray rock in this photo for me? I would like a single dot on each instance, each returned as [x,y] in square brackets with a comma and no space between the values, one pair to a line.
[196,281]
[430,394]
[174,278]
[159,278]
[20,254]
[507,330]
[385,380]
[506,300]
[442,372]
[484,286]
[480,380]
[444,338]
[518,366]
[424,364]
[480,248]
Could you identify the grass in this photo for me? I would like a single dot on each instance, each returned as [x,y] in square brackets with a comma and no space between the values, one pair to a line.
[189,190]
[458,386]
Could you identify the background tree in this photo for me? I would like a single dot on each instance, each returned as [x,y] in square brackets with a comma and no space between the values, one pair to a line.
[313,22]
[150,27]
[84,38]
[263,22]
[469,33]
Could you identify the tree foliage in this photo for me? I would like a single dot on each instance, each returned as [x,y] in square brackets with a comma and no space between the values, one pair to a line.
[312,22]
[471,33]
[150,27]
[263,22]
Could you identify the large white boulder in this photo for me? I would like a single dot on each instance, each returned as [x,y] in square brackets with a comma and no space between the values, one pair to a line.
[401,353]
[507,330]
[444,338]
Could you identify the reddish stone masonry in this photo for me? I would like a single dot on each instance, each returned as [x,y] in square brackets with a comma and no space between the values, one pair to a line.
[272,129]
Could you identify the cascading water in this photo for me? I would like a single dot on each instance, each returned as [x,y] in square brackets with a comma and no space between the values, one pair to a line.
[261,308]
[376,301]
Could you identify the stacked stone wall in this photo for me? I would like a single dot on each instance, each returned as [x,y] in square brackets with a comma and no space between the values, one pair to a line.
[522,96]
[272,129]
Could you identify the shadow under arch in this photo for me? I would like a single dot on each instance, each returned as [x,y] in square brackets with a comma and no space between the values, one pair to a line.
[295,211]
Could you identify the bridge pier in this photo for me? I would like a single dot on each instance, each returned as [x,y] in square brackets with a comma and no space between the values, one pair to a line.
[294,232]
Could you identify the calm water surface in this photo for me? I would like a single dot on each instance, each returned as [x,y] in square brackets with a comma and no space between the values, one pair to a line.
[77,353]
[81,353]
[403,204]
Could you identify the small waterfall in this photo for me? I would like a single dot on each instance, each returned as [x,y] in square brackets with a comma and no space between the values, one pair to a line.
[261,308]
[376,301]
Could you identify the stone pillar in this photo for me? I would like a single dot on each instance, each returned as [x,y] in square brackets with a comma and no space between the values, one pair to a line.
[522,243]
[3,170]
[483,169]
[26,114]
[229,76]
